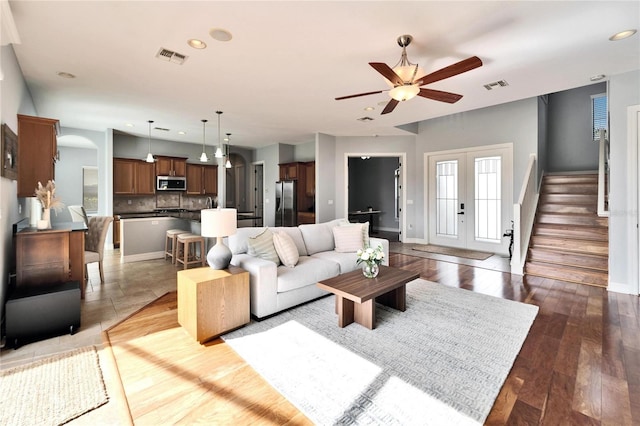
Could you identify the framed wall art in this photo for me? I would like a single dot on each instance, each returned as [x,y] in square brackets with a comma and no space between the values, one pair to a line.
[9,162]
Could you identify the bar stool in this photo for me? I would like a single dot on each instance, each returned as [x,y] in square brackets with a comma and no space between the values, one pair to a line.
[170,243]
[186,250]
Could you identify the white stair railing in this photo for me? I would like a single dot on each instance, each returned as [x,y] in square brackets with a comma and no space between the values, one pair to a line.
[524,213]
[603,175]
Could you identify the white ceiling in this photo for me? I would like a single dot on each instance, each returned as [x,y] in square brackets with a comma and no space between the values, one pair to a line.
[276,80]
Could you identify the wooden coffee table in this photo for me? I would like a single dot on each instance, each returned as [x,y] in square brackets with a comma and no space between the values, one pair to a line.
[356,296]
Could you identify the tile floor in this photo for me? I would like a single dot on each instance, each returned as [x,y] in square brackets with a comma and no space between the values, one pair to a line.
[127,288]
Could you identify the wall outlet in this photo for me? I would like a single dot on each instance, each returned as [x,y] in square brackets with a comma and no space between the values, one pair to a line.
[129,202]
[154,222]
[330,202]
[409,202]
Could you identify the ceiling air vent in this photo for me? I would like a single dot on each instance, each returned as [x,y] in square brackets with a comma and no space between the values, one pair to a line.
[171,56]
[365,119]
[496,84]
[162,129]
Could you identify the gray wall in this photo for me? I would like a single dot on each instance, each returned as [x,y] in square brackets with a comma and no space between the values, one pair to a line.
[570,145]
[372,183]
[69,178]
[326,181]
[543,141]
[14,99]
[270,156]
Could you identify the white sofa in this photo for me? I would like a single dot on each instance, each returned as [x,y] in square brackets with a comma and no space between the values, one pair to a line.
[275,288]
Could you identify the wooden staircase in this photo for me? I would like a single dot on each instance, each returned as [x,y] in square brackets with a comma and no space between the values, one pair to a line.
[570,242]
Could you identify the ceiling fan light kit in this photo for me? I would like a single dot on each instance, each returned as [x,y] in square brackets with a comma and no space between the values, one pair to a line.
[405,83]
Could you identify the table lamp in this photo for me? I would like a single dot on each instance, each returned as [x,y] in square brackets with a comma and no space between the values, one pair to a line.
[218,223]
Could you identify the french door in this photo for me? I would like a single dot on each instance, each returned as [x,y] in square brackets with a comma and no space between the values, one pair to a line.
[470,198]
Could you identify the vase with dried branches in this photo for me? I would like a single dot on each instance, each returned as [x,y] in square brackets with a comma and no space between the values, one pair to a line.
[47,196]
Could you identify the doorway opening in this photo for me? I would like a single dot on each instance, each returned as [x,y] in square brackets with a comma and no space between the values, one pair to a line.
[374,193]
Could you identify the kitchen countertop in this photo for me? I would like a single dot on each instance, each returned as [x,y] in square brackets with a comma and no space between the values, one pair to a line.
[178,213]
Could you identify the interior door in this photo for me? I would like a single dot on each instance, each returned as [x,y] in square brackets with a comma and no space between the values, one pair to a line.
[470,199]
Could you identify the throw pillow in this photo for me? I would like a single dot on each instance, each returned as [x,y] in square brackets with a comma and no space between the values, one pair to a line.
[348,238]
[365,230]
[286,249]
[262,246]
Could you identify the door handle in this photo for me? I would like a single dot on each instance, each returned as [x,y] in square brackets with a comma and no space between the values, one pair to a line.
[460,212]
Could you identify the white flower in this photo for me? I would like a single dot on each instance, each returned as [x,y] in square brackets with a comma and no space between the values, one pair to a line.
[370,255]
[365,255]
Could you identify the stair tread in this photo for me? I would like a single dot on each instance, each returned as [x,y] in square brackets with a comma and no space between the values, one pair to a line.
[587,261]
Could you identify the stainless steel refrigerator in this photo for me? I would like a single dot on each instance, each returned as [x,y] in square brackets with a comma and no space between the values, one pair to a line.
[286,214]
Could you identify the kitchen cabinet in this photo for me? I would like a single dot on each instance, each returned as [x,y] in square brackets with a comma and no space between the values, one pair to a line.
[171,166]
[116,231]
[202,179]
[290,171]
[37,152]
[310,178]
[133,177]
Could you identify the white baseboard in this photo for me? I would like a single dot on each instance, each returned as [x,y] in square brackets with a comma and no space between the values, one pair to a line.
[414,241]
[621,288]
[142,256]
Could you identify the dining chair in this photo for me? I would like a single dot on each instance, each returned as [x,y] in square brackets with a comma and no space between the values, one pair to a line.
[78,214]
[94,242]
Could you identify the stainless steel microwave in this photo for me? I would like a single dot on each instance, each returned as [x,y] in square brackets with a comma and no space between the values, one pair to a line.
[171,183]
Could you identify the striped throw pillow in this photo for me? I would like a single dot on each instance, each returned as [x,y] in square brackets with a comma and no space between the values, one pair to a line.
[348,238]
[286,249]
[262,246]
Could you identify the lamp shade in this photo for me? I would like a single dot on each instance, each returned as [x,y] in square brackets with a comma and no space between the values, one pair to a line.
[218,222]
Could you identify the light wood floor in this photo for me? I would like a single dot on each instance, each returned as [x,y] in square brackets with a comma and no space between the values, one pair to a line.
[580,363]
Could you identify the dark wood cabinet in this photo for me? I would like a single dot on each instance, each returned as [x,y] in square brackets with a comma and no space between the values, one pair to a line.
[37,152]
[171,166]
[116,231]
[202,179]
[133,177]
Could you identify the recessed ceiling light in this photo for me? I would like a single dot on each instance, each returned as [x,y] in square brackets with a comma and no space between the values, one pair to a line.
[196,44]
[129,124]
[220,34]
[369,108]
[182,132]
[597,77]
[65,74]
[622,35]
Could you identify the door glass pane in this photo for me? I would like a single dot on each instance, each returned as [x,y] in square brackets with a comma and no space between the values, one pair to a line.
[487,199]
[447,198]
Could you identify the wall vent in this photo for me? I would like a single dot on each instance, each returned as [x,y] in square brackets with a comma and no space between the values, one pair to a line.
[162,129]
[496,84]
[365,119]
[171,56]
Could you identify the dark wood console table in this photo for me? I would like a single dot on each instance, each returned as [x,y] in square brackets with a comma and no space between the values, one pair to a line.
[358,214]
[53,255]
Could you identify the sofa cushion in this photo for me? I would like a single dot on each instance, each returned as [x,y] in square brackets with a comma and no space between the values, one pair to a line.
[347,261]
[348,238]
[308,271]
[317,237]
[262,246]
[286,249]
[295,235]
[237,242]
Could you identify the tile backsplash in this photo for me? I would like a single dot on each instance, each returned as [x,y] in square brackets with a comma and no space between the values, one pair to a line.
[147,203]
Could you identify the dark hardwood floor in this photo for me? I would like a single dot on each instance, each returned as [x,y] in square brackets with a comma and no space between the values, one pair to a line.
[580,364]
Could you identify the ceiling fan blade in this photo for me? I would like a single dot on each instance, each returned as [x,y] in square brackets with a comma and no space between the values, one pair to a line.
[446,72]
[438,95]
[390,106]
[359,94]
[387,73]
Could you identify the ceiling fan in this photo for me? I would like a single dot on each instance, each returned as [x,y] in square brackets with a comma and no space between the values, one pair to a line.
[405,85]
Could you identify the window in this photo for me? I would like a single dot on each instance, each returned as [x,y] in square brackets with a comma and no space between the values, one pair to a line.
[488,199]
[599,114]
[90,189]
[447,198]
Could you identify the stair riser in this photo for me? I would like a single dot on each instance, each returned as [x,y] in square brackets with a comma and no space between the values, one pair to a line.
[578,232]
[596,263]
[567,209]
[564,179]
[569,274]
[565,219]
[599,248]
[589,189]
[569,199]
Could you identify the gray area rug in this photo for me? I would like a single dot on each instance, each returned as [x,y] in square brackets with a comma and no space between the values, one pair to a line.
[442,361]
[54,390]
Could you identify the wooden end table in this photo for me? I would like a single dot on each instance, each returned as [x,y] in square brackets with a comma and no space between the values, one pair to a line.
[356,295]
[212,302]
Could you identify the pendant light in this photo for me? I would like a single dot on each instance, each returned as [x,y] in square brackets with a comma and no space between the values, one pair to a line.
[203,157]
[218,153]
[150,158]
[228,163]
